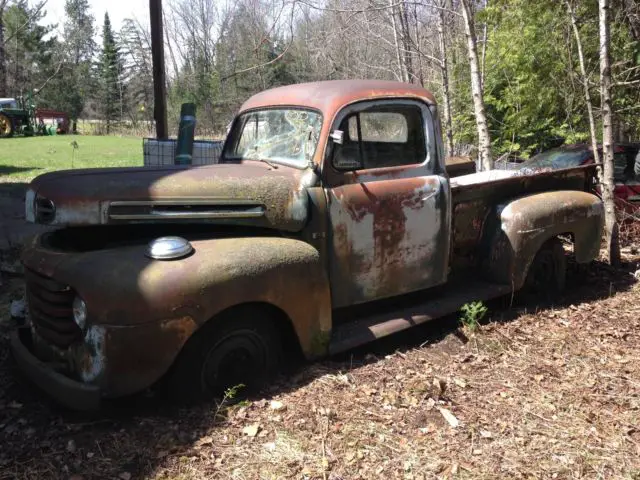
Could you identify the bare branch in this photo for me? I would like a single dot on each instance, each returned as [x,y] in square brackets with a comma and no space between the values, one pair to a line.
[624,84]
[373,9]
[274,60]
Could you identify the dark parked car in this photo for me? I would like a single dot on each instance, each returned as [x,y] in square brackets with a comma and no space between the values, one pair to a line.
[625,157]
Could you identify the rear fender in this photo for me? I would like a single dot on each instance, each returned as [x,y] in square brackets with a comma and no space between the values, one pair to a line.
[521,226]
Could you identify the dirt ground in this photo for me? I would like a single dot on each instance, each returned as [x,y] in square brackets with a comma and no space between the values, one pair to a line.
[537,392]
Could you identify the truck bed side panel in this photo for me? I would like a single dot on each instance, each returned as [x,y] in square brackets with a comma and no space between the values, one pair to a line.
[475,198]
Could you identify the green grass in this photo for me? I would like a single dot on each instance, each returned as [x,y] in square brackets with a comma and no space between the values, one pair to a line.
[22,159]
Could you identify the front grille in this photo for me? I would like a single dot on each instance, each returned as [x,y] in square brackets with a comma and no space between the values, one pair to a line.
[51,309]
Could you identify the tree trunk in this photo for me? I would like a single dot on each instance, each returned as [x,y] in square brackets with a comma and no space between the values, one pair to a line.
[585,81]
[3,60]
[484,140]
[406,43]
[446,93]
[403,71]
[611,225]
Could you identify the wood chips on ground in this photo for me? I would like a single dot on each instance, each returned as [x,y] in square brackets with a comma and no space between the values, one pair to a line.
[548,393]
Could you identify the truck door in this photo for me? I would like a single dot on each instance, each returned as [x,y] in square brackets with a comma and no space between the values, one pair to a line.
[388,198]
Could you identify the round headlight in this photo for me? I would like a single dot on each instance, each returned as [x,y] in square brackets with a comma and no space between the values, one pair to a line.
[169,248]
[80,312]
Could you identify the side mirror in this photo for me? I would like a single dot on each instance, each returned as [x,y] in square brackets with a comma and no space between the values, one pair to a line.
[337,136]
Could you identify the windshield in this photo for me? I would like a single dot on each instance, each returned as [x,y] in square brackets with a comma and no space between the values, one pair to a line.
[558,158]
[287,136]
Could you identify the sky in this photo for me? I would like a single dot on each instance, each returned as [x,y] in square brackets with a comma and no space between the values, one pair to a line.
[118,10]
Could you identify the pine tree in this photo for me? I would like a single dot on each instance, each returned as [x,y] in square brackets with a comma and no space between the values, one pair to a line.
[79,47]
[110,76]
[29,53]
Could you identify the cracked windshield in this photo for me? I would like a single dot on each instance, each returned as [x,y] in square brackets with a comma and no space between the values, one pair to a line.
[287,136]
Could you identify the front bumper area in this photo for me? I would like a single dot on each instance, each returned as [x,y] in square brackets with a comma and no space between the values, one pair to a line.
[67,392]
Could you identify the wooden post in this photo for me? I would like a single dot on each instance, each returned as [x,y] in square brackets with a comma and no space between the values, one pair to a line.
[159,84]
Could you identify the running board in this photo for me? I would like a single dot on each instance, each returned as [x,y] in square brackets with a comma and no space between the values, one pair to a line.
[358,332]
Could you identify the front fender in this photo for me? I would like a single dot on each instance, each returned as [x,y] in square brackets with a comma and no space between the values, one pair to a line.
[521,226]
[129,294]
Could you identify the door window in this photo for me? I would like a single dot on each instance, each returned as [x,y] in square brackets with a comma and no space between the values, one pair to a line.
[380,137]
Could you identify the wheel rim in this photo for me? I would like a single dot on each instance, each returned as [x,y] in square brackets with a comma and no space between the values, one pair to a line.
[5,125]
[238,358]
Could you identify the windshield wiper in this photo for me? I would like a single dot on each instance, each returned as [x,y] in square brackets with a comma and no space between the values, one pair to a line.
[268,162]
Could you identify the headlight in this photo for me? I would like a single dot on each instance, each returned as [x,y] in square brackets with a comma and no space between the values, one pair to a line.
[80,312]
[169,248]
[44,210]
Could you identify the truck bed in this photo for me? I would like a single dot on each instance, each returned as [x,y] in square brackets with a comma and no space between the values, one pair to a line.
[474,196]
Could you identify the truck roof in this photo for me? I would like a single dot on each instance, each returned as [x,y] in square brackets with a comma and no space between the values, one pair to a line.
[331,95]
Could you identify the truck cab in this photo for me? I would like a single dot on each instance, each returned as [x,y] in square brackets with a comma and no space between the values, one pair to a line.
[330,221]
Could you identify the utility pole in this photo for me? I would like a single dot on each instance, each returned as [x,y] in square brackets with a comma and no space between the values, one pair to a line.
[159,81]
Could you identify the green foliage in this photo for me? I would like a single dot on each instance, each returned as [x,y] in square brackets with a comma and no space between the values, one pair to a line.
[527,69]
[110,68]
[29,53]
[472,314]
[229,394]
[71,82]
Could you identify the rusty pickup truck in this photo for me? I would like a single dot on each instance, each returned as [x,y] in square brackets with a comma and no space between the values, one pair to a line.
[330,221]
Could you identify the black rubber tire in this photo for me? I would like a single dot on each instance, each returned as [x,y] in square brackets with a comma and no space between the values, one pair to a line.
[241,347]
[547,275]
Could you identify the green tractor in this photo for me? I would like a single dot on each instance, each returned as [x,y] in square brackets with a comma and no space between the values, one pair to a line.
[17,117]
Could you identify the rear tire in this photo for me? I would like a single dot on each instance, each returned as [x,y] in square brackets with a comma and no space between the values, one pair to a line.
[547,275]
[6,126]
[242,347]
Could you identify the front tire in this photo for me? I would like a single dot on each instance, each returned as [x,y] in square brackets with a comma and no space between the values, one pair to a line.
[242,347]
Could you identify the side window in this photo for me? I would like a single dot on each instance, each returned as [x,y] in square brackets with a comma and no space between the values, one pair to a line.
[382,136]
[383,127]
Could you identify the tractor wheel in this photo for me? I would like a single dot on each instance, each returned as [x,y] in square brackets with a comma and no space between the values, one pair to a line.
[6,126]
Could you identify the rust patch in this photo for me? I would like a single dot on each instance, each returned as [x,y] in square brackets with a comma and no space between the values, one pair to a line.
[181,328]
[388,232]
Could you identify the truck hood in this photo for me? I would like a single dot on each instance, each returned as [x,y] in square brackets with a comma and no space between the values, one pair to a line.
[248,193]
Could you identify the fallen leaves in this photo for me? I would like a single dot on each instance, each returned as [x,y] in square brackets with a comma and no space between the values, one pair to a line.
[532,400]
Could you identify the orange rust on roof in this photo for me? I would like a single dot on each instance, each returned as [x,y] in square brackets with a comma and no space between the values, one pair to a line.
[331,95]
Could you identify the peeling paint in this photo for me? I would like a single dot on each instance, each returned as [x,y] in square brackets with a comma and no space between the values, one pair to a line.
[92,360]
[389,235]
